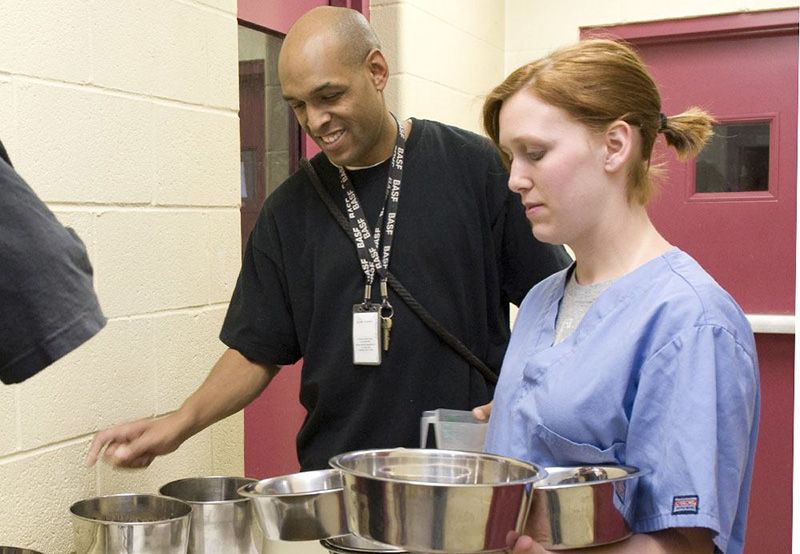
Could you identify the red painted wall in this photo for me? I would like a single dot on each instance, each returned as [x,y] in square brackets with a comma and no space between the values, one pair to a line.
[272,421]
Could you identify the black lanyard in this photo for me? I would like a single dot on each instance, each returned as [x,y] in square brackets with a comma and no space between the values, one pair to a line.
[368,243]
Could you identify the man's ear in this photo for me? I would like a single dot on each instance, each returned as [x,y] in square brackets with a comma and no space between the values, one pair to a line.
[619,143]
[378,68]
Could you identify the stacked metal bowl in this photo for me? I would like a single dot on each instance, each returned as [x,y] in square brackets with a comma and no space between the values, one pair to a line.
[436,500]
[419,500]
[401,500]
[198,515]
[299,507]
[582,506]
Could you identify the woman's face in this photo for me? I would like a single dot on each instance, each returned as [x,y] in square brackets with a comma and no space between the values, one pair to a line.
[556,168]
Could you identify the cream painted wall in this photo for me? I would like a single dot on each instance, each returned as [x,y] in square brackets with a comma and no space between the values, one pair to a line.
[443,56]
[123,117]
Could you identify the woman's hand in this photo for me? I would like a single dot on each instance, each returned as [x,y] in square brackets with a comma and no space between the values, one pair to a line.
[483,412]
[523,544]
[694,540]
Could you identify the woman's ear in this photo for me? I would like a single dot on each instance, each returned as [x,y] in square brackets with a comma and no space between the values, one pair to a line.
[619,142]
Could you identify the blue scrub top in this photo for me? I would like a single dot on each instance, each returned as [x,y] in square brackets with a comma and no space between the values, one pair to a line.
[661,374]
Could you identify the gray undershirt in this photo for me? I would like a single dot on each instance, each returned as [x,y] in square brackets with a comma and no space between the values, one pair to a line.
[576,302]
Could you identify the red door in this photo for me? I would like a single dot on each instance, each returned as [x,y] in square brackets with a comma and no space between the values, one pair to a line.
[734,208]
[270,148]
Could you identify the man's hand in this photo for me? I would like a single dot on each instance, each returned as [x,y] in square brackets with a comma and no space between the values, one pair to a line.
[136,444]
[233,383]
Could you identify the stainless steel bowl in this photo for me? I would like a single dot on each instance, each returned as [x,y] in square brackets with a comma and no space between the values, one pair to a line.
[221,518]
[131,524]
[353,544]
[435,500]
[578,507]
[299,507]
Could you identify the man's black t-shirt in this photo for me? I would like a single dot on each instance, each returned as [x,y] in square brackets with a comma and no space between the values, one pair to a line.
[462,247]
[47,304]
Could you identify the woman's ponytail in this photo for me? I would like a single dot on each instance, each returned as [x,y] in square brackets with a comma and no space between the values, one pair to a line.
[688,132]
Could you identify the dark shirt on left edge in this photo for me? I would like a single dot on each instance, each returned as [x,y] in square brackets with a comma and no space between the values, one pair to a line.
[48,306]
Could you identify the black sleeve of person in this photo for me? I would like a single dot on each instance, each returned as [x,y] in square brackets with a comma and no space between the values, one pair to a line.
[48,306]
[4,155]
[524,259]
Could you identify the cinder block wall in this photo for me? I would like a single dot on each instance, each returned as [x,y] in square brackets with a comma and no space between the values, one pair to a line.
[123,116]
[444,55]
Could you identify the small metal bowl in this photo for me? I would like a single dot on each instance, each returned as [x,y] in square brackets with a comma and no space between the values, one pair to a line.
[583,506]
[427,500]
[131,523]
[301,506]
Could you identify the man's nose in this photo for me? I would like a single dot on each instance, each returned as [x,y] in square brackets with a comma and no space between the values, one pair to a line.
[316,119]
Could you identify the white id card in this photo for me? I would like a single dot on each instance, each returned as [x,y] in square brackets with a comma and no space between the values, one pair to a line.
[367,334]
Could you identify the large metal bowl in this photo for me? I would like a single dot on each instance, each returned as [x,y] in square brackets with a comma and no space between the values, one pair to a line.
[299,507]
[427,500]
[131,523]
[578,507]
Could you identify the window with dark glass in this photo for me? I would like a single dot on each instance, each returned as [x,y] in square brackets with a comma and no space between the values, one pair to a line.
[735,160]
[268,132]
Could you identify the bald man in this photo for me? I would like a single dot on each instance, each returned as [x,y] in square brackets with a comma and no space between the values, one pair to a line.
[449,230]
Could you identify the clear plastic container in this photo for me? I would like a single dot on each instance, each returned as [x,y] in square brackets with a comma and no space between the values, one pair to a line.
[453,430]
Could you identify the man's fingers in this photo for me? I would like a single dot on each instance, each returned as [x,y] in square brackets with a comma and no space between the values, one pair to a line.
[119,443]
[101,439]
[140,462]
[120,454]
[94,451]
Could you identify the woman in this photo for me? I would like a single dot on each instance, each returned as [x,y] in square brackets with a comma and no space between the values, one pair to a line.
[633,355]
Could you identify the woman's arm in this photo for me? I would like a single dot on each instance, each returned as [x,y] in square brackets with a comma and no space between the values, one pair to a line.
[687,540]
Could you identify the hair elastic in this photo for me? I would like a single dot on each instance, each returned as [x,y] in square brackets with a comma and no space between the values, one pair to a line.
[662,122]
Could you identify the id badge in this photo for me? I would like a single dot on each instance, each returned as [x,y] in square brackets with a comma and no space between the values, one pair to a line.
[366,334]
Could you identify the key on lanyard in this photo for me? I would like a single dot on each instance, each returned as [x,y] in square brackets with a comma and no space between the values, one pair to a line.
[386,315]
[386,325]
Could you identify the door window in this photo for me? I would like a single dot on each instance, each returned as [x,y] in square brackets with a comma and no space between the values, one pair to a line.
[735,160]
[269,135]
